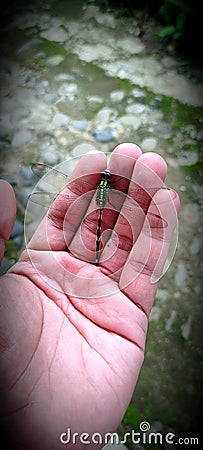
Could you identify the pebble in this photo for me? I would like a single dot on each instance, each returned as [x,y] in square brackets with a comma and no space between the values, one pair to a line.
[170,321]
[162,294]
[63,77]
[23,195]
[187,158]
[67,89]
[135,108]
[42,86]
[55,60]
[138,93]
[18,228]
[50,155]
[50,97]
[106,134]
[190,213]
[21,138]
[117,96]
[195,246]
[80,125]
[95,100]
[131,45]
[180,275]
[5,265]
[56,34]
[104,115]
[26,176]
[155,314]
[18,114]
[186,328]
[60,119]
[130,121]
[91,53]
[149,144]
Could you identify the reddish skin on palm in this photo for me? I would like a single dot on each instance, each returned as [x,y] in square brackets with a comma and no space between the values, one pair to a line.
[68,361]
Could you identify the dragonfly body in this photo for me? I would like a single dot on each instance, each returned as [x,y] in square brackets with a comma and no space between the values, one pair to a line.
[102,197]
[104,194]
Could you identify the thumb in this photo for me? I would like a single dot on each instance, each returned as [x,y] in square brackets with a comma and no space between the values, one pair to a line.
[7,214]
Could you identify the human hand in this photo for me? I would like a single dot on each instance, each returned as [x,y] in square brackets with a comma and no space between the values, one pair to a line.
[74,333]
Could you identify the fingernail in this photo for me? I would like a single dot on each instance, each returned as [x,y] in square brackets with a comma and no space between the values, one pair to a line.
[173,193]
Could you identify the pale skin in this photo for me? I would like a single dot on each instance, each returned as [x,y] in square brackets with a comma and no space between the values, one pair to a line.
[73,334]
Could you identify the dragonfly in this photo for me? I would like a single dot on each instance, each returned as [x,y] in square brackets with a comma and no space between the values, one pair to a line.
[104,194]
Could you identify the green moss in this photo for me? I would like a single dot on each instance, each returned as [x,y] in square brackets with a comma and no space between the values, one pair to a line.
[51,48]
[35,63]
[10,250]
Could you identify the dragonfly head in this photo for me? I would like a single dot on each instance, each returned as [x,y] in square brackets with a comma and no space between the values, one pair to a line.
[106,175]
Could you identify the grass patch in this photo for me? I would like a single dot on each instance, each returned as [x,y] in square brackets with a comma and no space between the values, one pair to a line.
[52,48]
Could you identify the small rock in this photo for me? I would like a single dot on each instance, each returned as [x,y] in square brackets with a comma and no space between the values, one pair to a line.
[186,328]
[180,275]
[8,178]
[149,144]
[137,93]
[162,130]
[68,88]
[21,138]
[63,77]
[23,195]
[155,314]
[104,115]
[195,246]
[130,121]
[60,119]
[18,228]
[51,157]
[156,102]
[117,96]
[5,265]
[93,52]
[95,100]
[187,158]
[190,213]
[170,320]
[131,45]
[18,114]
[55,60]
[26,176]
[135,108]
[56,34]
[162,294]
[50,97]
[107,134]
[42,86]
[80,125]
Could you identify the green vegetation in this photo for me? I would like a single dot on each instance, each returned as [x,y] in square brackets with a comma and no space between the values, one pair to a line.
[11,250]
[179,20]
[51,48]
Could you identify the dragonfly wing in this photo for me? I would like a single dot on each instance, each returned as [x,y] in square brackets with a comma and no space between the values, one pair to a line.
[50,175]
[139,199]
[43,198]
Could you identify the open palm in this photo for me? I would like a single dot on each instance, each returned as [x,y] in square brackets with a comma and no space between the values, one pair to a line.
[73,333]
